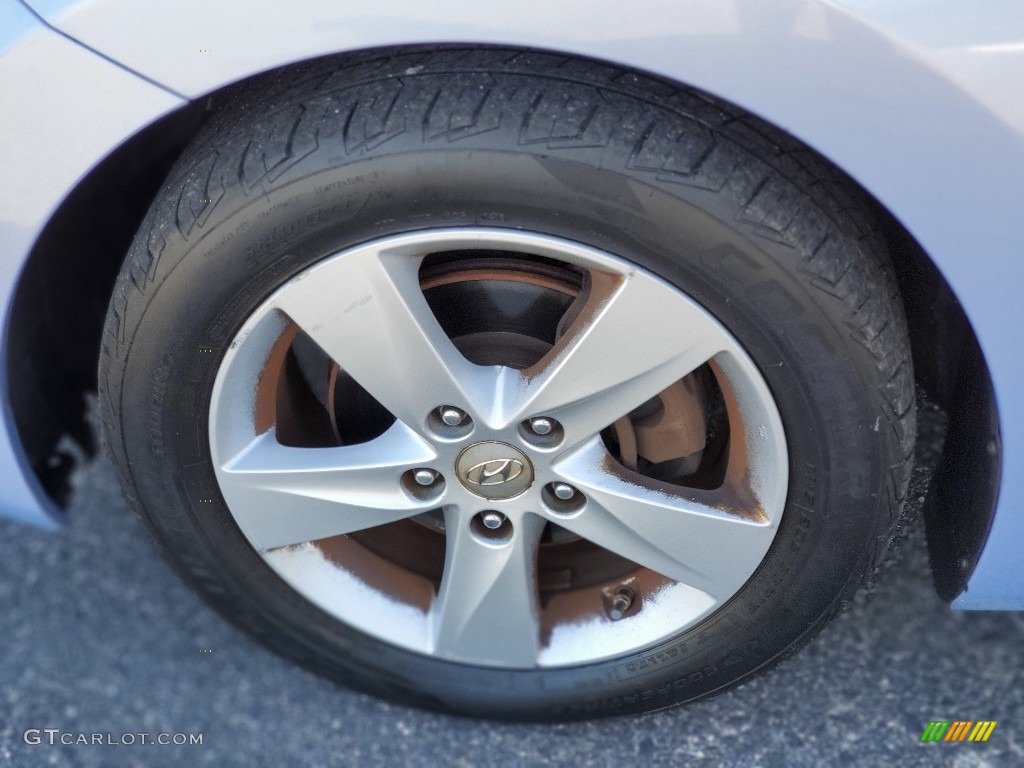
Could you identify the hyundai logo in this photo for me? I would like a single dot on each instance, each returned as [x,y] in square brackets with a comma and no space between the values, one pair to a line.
[494,472]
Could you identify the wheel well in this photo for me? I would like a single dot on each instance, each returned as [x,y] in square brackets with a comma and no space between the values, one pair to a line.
[951,370]
[61,299]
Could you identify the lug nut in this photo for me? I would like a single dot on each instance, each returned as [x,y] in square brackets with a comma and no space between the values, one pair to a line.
[542,426]
[452,416]
[563,491]
[492,520]
[424,476]
[621,603]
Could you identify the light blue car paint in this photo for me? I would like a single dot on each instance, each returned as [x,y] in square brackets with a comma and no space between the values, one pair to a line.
[919,100]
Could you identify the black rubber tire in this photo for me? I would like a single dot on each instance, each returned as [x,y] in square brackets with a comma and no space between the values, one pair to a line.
[775,242]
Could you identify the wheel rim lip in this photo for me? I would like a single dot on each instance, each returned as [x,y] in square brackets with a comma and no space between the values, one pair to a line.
[308,572]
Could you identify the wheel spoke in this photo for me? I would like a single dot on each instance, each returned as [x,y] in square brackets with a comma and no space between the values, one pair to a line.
[281,495]
[633,337]
[366,310]
[698,538]
[487,608]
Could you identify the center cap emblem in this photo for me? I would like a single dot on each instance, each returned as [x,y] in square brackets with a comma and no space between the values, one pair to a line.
[494,470]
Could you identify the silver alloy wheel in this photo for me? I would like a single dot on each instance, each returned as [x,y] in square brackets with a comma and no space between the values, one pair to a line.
[366,309]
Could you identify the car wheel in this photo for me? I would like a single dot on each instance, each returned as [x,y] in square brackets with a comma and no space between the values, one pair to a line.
[510,385]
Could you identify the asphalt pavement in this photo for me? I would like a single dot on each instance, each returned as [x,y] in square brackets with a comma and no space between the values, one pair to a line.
[98,636]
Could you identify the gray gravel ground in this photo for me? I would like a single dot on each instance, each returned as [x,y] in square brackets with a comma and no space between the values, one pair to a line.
[98,635]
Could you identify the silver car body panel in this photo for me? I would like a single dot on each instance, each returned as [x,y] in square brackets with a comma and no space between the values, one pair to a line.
[919,100]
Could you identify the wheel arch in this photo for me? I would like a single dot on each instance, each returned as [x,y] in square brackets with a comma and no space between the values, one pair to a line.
[55,334]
